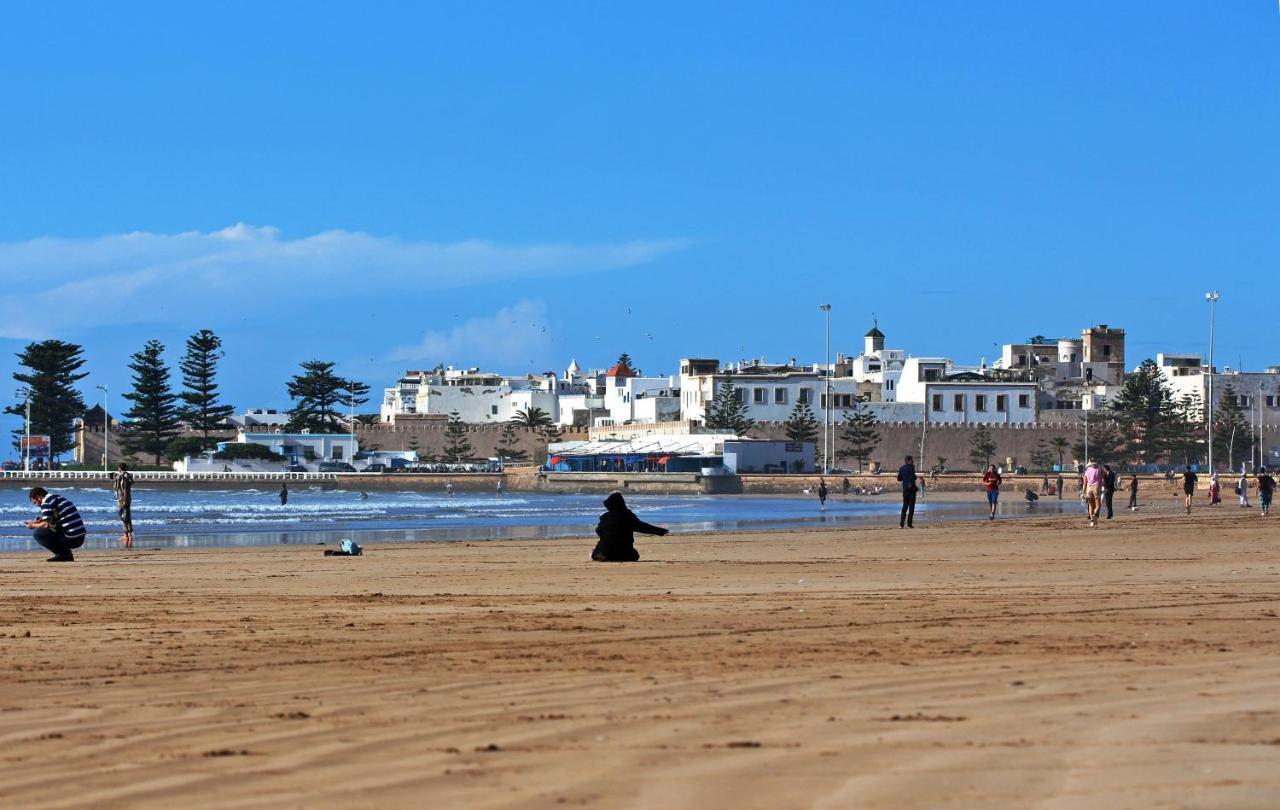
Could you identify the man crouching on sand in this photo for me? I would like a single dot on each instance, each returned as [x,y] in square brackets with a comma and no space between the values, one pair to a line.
[617,543]
[59,527]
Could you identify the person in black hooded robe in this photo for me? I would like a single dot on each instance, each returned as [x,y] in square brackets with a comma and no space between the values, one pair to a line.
[615,530]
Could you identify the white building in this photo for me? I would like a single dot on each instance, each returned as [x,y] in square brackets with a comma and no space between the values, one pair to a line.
[296,447]
[964,397]
[1257,392]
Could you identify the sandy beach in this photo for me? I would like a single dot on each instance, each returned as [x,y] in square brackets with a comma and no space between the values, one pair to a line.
[1027,663]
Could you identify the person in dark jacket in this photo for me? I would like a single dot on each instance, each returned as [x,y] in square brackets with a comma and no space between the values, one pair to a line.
[1109,484]
[615,530]
[907,475]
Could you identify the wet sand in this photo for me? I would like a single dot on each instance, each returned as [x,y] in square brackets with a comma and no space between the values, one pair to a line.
[1023,663]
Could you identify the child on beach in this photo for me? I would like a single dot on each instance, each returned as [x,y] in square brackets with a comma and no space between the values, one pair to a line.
[991,480]
[122,482]
[615,530]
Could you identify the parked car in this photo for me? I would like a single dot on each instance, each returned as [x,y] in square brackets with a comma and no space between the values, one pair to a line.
[336,466]
[296,468]
[375,468]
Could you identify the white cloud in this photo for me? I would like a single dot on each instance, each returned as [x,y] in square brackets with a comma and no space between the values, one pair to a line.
[516,334]
[57,284]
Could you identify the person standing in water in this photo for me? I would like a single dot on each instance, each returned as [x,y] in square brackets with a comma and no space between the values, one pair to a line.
[907,475]
[122,483]
[500,488]
[1188,486]
[822,494]
[991,480]
[284,494]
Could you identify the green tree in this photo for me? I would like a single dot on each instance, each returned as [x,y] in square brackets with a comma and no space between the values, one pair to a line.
[183,446]
[1042,456]
[858,435]
[1060,445]
[531,417]
[200,407]
[456,446]
[1187,442]
[942,464]
[153,419]
[1146,414]
[1232,434]
[624,360]
[352,395]
[802,426]
[52,372]
[318,396]
[509,444]
[727,411]
[1106,443]
[981,446]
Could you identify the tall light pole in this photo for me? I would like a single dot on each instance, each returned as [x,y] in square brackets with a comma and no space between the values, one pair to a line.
[1212,297]
[826,412]
[106,428]
[25,393]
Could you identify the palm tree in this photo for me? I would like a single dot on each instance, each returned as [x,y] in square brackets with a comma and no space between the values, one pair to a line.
[532,418]
[1060,444]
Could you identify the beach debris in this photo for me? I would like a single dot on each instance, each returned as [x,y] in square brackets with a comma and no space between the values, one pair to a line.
[298,715]
[226,752]
[921,717]
[491,747]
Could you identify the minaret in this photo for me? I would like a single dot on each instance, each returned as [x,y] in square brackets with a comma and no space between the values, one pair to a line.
[873,341]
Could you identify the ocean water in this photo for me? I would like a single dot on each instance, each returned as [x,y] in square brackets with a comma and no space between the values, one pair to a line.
[231,517]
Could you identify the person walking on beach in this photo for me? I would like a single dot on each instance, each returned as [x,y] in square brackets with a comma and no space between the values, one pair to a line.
[991,480]
[59,527]
[1108,489]
[616,532]
[1059,483]
[122,482]
[1044,483]
[1215,490]
[1242,489]
[907,475]
[1092,480]
[1133,493]
[1266,488]
[284,494]
[1189,486]
[822,494]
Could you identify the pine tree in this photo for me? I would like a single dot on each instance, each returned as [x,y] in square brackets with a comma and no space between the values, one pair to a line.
[1232,434]
[509,444]
[50,384]
[624,360]
[456,446]
[802,426]
[1106,443]
[1146,414]
[153,419]
[981,447]
[727,412]
[858,436]
[318,394]
[1042,456]
[1187,440]
[200,407]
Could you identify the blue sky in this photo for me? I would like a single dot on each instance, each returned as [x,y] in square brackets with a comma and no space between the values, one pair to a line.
[397,185]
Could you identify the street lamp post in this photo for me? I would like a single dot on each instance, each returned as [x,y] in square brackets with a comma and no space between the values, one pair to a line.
[106,428]
[1212,297]
[826,411]
[25,393]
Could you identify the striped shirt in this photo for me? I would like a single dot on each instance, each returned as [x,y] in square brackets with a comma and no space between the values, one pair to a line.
[58,510]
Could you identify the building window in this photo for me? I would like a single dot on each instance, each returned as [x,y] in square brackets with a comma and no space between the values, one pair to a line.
[937,402]
[1271,401]
[493,410]
[1002,403]
[1106,351]
[337,452]
[889,384]
[980,403]
[1024,400]
[780,396]
[805,395]
[1243,400]
[957,403]
[740,394]
[760,395]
